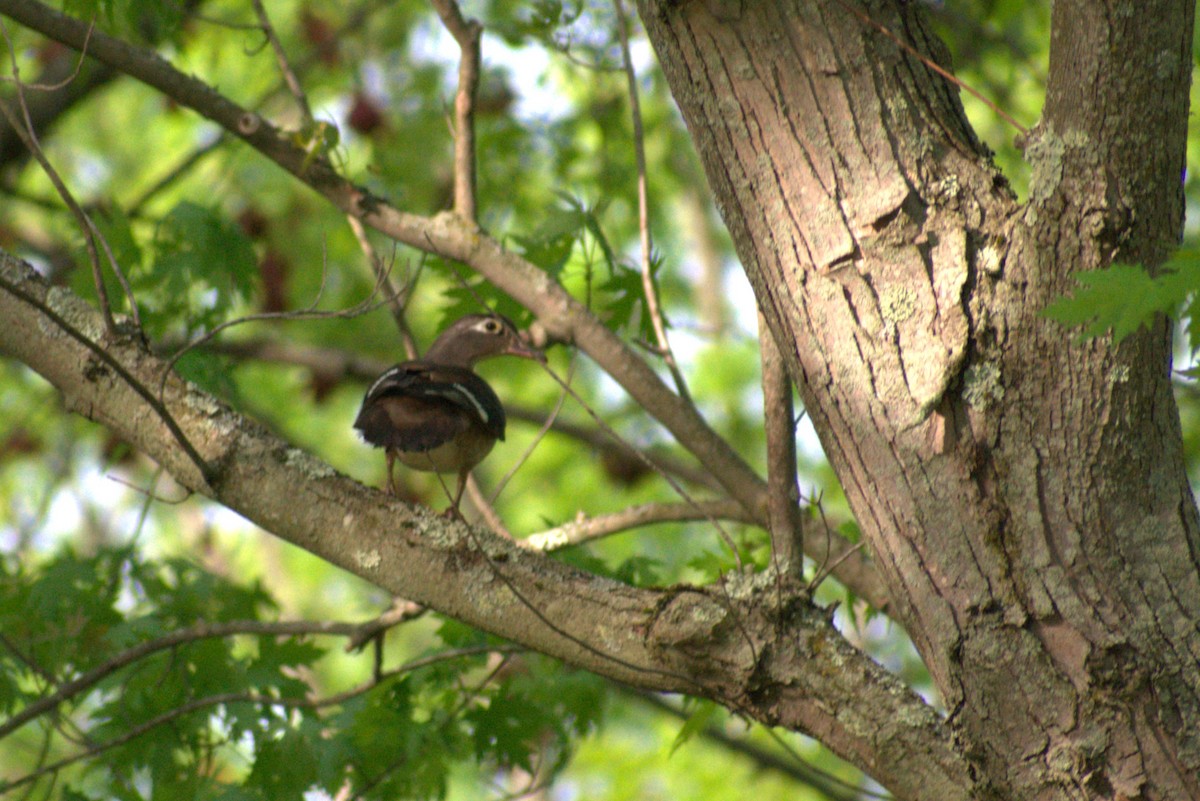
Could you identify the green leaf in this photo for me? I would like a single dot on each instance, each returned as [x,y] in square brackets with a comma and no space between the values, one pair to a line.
[640,571]
[590,216]
[203,264]
[153,20]
[712,564]
[1119,299]
[550,246]
[211,372]
[459,635]
[478,297]
[273,656]
[1123,298]
[10,693]
[508,730]
[286,767]
[702,713]
[623,298]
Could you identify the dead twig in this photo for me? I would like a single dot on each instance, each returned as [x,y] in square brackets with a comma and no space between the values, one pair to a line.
[653,310]
[397,297]
[285,67]
[584,529]
[467,33]
[783,490]
[93,239]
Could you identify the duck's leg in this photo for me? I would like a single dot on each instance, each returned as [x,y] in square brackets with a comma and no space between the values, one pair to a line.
[452,511]
[391,469]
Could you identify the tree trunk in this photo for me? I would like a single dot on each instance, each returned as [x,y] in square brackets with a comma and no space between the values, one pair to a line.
[1025,494]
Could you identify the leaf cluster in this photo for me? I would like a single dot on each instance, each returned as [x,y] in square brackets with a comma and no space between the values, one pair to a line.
[1124,298]
[243,711]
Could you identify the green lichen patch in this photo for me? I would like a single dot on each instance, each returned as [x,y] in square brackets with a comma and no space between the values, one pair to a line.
[897,303]
[981,385]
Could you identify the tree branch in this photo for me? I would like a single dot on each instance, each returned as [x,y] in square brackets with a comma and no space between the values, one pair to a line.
[467,33]
[721,644]
[783,505]
[586,529]
[649,290]
[453,237]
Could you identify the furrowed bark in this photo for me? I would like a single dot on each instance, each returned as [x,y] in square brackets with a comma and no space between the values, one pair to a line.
[1025,495]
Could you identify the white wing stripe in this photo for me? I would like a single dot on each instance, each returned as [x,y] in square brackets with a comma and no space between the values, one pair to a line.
[479,409]
[387,376]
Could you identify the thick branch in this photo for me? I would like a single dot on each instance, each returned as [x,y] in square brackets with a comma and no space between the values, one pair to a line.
[719,645]
[453,237]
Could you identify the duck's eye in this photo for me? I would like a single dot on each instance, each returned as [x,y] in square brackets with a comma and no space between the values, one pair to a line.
[492,326]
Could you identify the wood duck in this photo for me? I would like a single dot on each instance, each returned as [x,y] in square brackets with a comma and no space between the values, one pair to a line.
[435,414]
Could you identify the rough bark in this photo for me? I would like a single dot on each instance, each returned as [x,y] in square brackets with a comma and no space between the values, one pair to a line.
[1025,495]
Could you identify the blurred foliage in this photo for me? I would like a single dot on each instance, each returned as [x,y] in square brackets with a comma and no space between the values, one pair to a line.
[100,554]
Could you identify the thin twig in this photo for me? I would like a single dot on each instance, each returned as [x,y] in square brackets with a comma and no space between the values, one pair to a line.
[833,564]
[783,490]
[397,297]
[467,32]
[621,459]
[150,495]
[25,131]
[537,438]
[401,611]
[310,312]
[653,309]
[285,67]
[486,509]
[49,87]
[585,529]
[819,573]
[675,485]
[928,62]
